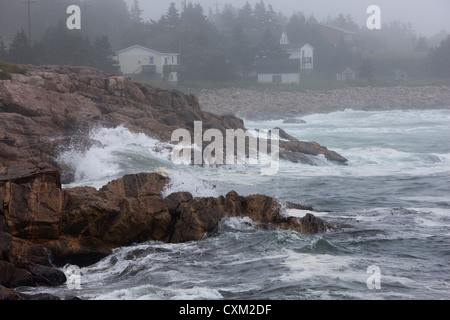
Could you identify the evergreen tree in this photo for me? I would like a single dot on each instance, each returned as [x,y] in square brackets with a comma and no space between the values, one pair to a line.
[66,47]
[103,55]
[261,17]
[245,17]
[440,59]
[198,43]
[270,46]
[172,17]
[241,53]
[296,28]
[367,71]
[272,17]
[20,50]
[340,21]
[3,51]
[136,12]
[422,45]
[228,16]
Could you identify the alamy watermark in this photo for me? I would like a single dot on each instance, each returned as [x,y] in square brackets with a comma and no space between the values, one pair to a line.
[374,20]
[374,280]
[73,274]
[237,147]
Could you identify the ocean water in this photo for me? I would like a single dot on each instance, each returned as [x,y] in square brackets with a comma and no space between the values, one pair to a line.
[391,205]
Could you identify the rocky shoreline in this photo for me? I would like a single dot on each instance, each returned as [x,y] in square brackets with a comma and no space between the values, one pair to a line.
[266,105]
[43,227]
[49,109]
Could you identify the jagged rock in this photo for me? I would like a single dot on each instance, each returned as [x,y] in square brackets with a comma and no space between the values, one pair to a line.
[31,199]
[196,217]
[126,210]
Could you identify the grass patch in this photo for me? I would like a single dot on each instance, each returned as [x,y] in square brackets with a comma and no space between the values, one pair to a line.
[6,69]
[317,82]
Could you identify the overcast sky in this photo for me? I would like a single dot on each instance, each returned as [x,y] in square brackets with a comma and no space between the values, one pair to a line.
[427,16]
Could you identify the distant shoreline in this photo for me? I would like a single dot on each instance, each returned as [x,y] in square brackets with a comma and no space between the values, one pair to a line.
[266,104]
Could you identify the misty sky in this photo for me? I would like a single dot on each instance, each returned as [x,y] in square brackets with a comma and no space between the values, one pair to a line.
[427,16]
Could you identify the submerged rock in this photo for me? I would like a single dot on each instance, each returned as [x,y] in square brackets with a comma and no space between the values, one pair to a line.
[294,121]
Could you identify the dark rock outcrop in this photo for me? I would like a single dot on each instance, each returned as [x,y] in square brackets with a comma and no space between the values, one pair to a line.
[46,225]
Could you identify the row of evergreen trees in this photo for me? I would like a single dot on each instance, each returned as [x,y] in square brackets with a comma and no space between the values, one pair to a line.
[60,46]
[215,46]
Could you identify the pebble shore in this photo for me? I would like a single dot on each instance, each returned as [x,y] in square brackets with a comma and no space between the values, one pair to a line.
[254,104]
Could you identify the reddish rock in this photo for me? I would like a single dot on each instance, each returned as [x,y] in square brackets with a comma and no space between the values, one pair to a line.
[127,210]
[31,201]
[196,217]
[82,225]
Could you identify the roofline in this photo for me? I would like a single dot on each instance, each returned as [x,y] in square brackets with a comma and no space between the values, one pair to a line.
[337,28]
[138,46]
[300,46]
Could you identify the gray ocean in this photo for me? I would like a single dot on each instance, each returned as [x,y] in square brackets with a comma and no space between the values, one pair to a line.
[391,204]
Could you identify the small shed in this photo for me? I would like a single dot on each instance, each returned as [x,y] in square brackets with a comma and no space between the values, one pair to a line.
[346,75]
[398,75]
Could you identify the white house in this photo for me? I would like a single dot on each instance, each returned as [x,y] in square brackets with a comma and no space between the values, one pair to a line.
[304,52]
[278,70]
[140,62]
[288,70]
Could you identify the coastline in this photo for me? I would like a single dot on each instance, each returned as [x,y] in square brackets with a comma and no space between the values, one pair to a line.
[275,105]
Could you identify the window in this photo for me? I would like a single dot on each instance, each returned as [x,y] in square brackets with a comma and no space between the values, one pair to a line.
[276,78]
[166,59]
[151,60]
[173,60]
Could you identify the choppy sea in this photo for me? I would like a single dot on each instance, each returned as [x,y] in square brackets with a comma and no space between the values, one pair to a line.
[391,204]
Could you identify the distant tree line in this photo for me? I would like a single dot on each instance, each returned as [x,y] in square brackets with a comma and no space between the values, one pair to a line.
[218,45]
[59,46]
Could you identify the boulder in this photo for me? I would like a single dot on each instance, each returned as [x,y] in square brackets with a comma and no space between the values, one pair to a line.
[294,121]
[126,210]
[46,276]
[8,294]
[12,277]
[31,201]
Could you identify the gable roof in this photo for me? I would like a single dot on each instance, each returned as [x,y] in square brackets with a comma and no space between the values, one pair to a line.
[155,50]
[271,66]
[348,70]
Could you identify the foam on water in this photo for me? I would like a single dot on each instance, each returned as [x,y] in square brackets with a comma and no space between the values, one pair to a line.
[390,204]
[117,152]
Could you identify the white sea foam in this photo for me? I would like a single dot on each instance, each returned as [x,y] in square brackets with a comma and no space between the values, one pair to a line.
[118,152]
[188,182]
